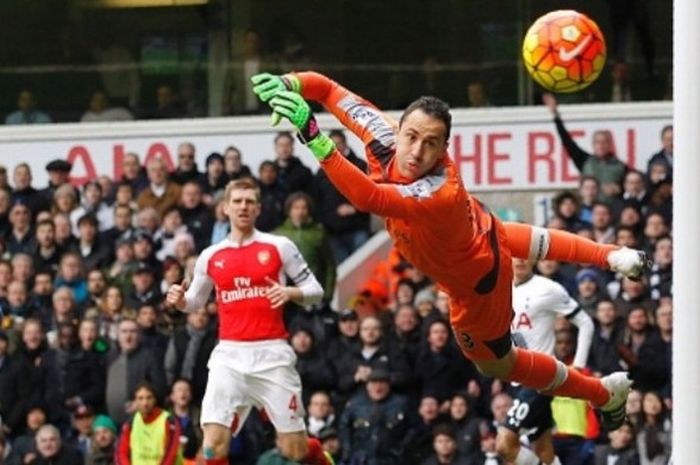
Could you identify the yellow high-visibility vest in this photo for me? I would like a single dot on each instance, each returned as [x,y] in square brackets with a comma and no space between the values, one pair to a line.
[147,440]
[570,416]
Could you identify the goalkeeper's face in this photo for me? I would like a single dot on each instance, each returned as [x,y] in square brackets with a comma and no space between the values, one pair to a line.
[420,144]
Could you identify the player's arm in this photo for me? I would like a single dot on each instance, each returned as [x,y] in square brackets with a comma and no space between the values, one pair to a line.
[562,303]
[189,298]
[576,153]
[388,200]
[366,121]
[306,290]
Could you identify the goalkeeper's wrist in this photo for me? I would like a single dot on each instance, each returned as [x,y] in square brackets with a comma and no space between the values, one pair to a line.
[291,82]
[321,146]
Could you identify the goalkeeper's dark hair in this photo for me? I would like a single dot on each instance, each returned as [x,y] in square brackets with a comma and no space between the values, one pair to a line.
[434,107]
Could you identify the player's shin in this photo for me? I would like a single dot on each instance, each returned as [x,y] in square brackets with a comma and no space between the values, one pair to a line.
[543,372]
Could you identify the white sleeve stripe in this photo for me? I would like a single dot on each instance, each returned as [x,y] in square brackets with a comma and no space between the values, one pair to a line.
[539,243]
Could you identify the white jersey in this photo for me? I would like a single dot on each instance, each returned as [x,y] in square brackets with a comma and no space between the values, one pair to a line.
[537,303]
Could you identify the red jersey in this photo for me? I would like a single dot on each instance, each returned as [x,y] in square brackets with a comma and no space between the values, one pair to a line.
[238,272]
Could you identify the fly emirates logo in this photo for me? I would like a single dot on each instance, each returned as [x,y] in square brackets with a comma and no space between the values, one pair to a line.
[243,291]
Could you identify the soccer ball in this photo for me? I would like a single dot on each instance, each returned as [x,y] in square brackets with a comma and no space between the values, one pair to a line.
[564,51]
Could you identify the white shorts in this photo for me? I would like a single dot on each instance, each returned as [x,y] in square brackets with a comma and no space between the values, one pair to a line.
[260,374]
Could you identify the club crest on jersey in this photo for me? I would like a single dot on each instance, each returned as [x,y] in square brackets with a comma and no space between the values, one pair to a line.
[264,257]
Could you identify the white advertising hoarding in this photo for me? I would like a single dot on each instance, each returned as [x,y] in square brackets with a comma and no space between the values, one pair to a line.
[496,149]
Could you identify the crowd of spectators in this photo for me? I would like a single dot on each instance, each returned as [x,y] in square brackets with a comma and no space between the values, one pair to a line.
[84,270]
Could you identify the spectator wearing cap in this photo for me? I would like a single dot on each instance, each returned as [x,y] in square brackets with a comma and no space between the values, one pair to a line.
[347,227]
[293,174]
[59,174]
[80,433]
[445,450]
[186,170]
[348,339]
[20,239]
[214,180]
[23,191]
[93,253]
[589,291]
[375,424]
[93,204]
[440,367]
[104,437]
[75,378]
[311,239]
[145,290]
[233,164]
[161,193]
[195,214]
[151,435]
[405,333]
[131,365]
[26,112]
[330,441]
[188,352]
[151,337]
[52,451]
[314,369]
[47,252]
[355,366]
[14,386]
[272,196]
[144,250]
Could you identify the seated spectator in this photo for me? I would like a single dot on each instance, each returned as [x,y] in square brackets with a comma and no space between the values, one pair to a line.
[602,222]
[188,351]
[440,367]
[355,366]
[311,240]
[93,203]
[133,174]
[52,451]
[661,275]
[185,247]
[665,155]
[589,292]
[164,237]
[20,238]
[47,253]
[17,305]
[70,275]
[173,273]
[93,252]
[314,369]
[24,445]
[32,352]
[131,365]
[655,227]
[26,111]
[214,180]
[654,437]
[64,311]
[445,450]
[104,438]
[65,200]
[567,206]
[110,313]
[347,227]
[375,424]
[167,105]
[23,191]
[80,435]
[195,214]
[186,169]
[137,442]
[187,415]
[100,110]
[145,289]
[466,424]
[621,449]
[119,272]
[151,337]
[633,294]
[643,351]
[319,413]
[604,357]
[421,444]
[272,195]
[348,335]
[233,164]
[14,386]
[293,175]
[161,193]
[331,443]
[64,232]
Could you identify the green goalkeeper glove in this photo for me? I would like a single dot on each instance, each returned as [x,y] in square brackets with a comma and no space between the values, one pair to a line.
[267,85]
[292,106]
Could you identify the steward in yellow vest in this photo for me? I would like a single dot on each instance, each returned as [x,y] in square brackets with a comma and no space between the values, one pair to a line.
[151,436]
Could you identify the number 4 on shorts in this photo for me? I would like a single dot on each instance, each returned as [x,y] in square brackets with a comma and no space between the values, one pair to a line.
[293,403]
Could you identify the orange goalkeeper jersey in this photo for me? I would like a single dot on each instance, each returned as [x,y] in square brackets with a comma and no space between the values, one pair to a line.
[433,221]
